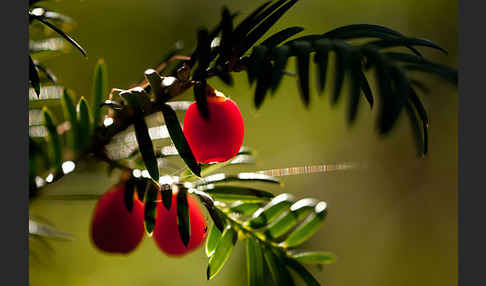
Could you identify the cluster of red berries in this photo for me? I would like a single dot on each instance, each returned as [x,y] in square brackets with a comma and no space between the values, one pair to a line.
[116,230]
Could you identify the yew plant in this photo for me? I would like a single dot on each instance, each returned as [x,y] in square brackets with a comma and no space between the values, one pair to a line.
[150,200]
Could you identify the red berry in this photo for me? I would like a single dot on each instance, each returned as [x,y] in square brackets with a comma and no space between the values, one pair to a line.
[113,228]
[219,138]
[166,231]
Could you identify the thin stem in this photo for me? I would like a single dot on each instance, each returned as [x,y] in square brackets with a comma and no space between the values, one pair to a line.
[51,178]
[113,163]
[249,231]
[125,117]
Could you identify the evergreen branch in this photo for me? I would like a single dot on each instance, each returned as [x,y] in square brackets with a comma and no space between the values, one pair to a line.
[44,21]
[267,62]
[271,225]
[263,236]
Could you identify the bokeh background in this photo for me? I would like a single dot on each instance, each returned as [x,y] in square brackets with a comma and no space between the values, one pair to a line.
[392,223]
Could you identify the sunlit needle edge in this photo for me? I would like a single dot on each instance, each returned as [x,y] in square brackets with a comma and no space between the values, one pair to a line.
[309,169]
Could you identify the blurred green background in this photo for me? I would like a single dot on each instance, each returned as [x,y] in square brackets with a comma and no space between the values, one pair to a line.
[393,223]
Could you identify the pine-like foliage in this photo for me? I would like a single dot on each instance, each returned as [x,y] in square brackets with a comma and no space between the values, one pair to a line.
[124,128]
[265,65]
[44,48]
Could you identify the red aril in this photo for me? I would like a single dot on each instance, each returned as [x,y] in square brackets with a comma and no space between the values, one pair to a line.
[166,231]
[113,228]
[219,138]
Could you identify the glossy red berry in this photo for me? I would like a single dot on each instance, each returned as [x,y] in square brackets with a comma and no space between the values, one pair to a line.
[113,228]
[166,230]
[219,138]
